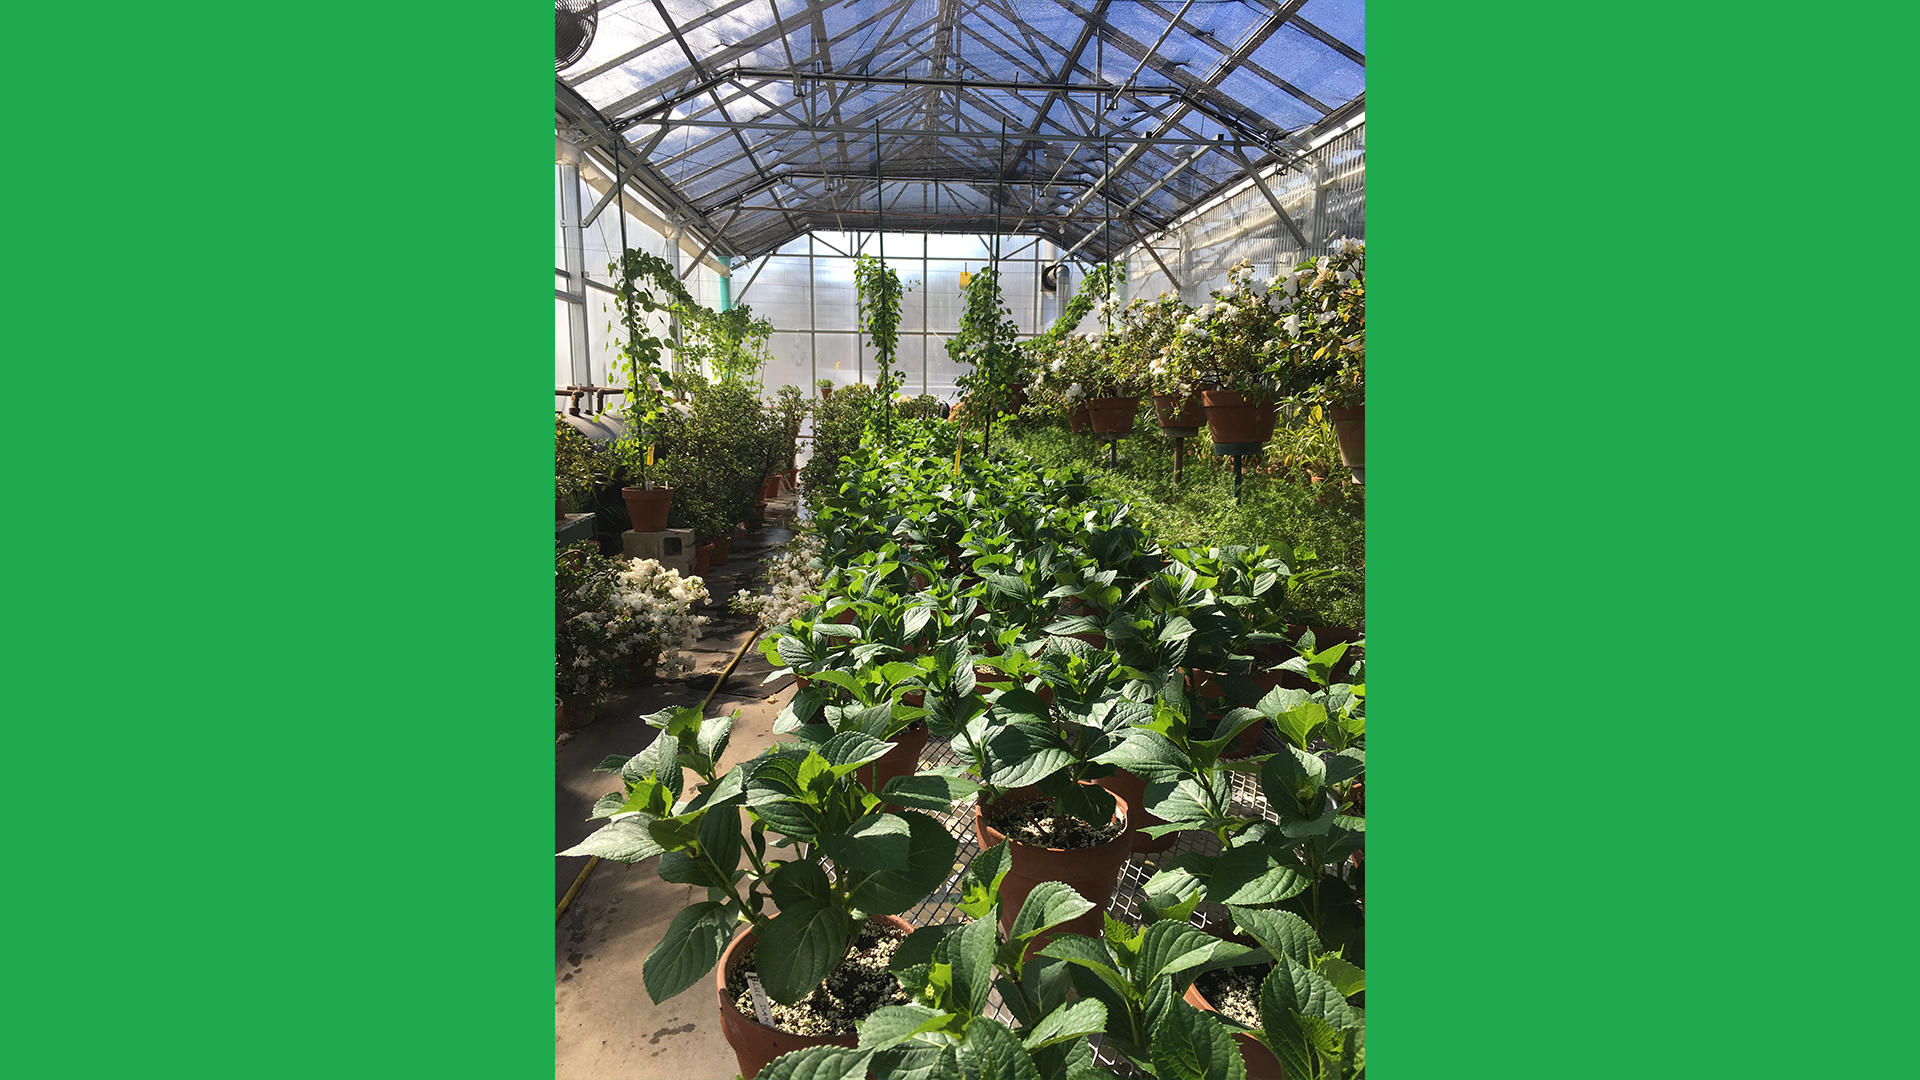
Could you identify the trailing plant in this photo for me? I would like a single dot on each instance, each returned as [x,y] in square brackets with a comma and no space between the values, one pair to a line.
[846,859]
[1095,287]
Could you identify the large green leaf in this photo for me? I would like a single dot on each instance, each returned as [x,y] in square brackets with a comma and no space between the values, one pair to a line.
[873,843]
[1253,874]
[1346,978]
[1192,1045]
[1019,754]
[892,1024]
[991,1051]
[1170,947]
[799,884]
[626,840]
[898,885]
[1071,1021]
[970,951]
[1047,906]
[1282,932]
[720,835]
[689,949]
[1150,756]
[936,789]
[818,1063]
[1283,1034]
[800,946]
[1089,954]
[849,750]
[1306,992]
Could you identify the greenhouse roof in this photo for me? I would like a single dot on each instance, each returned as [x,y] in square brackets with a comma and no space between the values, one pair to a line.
[756,121]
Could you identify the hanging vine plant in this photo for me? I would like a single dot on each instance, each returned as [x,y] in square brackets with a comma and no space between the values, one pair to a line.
[644,284]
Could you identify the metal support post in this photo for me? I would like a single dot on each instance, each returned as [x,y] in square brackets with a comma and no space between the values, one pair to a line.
[574,243]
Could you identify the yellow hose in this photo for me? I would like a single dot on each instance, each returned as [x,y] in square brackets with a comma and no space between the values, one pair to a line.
[573,890]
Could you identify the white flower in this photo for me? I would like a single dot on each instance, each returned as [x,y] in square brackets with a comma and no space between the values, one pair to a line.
[1292,286]
[1292,324]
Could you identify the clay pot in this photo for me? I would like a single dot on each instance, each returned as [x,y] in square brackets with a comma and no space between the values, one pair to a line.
[770,487]
[1078,419]
[565,719]
[902,760]
[1179,416]
[1133,791]
[1093,872]
[754,1044]
[1261,1064]
[1233,418]
[721,549]
[1350,427]
[1113,415]
[702,560]
[826,392]
[647,507]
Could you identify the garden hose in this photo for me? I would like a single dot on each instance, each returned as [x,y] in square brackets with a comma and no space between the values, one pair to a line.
[573,890]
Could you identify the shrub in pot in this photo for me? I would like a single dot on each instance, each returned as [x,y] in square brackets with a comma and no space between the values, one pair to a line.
[851,864]
[1291,1005]
[826,388]
[1326,343]
[644,284]
[574,467]
[1229,350]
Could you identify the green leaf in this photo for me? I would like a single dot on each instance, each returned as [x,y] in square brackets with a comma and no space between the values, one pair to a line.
[1171,947]
[688,950]
[892,1024]
[1192,1045]
[898,886]
[1019,754]
[1282,1032]
[970,951]
[1071,1021]
[1090,954]
[1346,978]
[627,840]
[799,884]
[936,789]
[982,881]
[1253,874]
[990,1051]
[1305,992]
[1150,756]
[849,750]
[1282,932]
[800,946]
[818,1063]
[1047,906]
[873,843]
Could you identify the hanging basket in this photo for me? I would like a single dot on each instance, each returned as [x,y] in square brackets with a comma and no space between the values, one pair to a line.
[1233,418]
[1113,415]
[1179,416]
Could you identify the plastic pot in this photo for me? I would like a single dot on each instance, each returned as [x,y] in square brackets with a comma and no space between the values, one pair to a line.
[1233,418]
[1261,1064]
[1093,872]
[1133,791]
[754,1044]
[1113,415]
[902,760]
[647,507]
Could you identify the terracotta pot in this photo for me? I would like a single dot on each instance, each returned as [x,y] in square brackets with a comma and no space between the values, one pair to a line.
[1113,415]
[1350,427]
[1133,791]
[1093,872]
[1261,1064]
[702,560]
[770,487]
[826,392]
[721,549]
[902,760]
[1180,416]
[1233,418]
[1078,419]
[647,507]
[754,1044]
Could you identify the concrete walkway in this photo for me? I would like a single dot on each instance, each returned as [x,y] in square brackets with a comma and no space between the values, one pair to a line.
[605,1025]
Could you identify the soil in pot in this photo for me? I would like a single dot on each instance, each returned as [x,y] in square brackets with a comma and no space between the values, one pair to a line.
[827,1016]
[1133,790]
[1235,993]
[1039,843]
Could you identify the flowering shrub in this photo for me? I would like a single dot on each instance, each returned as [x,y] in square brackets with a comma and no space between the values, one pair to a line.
[1143,338]
[615,617]
[1069,370]
[793,579]
[1325,329]
[1233,341]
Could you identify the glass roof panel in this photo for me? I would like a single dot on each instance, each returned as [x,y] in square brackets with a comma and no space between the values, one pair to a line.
[1344,19]
[1312,66]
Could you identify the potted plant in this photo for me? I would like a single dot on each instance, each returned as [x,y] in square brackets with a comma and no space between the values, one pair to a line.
[847,869]
[826,388]
[987,349]
[573,466]
[1326,340]
[644,284]
[1290,1005]
[1116,381]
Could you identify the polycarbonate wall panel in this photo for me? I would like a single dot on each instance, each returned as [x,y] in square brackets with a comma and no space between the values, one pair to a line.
[1325,197]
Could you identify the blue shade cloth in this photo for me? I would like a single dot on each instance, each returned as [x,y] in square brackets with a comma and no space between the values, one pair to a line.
[761,152]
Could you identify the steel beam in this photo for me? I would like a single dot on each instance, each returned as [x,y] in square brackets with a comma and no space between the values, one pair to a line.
[1253,173]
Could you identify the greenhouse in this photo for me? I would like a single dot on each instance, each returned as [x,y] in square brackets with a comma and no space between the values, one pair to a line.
[960,538]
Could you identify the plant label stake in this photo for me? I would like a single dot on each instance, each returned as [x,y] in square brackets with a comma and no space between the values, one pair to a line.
[760,1010]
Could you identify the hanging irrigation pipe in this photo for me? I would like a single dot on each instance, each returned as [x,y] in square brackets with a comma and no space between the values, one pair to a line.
[573,890]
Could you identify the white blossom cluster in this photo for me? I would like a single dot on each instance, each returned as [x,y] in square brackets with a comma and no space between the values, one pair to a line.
[657,604]
[793,579]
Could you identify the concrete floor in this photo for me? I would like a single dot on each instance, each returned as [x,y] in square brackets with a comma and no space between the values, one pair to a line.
[605,1025]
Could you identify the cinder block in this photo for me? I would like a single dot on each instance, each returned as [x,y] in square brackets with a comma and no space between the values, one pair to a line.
[670,547]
